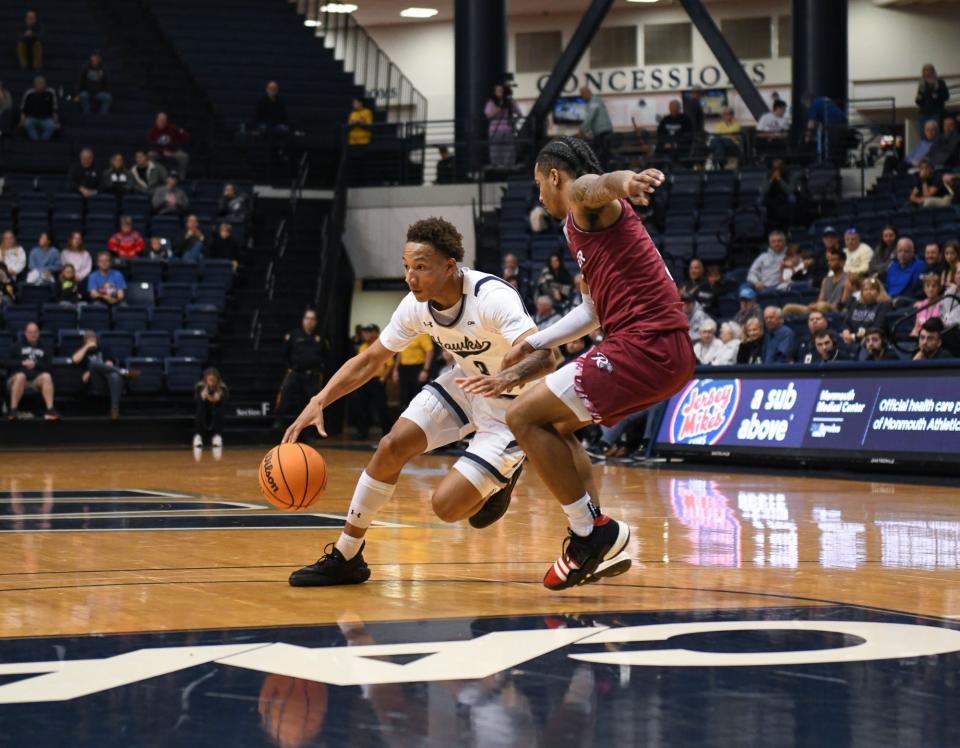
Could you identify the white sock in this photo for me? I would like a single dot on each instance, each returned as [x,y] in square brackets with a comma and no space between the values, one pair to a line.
[368,497]
[580,515]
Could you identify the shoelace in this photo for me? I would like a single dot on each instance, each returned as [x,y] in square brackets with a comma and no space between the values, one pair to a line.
[328,550]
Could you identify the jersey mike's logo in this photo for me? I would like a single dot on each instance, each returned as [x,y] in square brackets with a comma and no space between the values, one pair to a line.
[466,348]
[704,411]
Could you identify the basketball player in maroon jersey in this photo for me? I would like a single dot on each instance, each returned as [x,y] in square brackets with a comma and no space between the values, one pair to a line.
[645,356]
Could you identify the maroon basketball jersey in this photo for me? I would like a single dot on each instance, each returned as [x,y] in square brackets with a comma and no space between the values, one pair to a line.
[631,287]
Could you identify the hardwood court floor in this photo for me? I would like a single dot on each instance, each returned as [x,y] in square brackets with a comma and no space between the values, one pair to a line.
[75,562]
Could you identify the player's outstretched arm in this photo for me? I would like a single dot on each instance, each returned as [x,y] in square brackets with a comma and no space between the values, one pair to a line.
[593,191]
[353,374]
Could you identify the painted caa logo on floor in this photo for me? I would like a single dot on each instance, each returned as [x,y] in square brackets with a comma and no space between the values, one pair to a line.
[705,411]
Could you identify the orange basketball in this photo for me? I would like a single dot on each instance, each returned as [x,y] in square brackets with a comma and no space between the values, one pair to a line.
[292,711]
[292,476]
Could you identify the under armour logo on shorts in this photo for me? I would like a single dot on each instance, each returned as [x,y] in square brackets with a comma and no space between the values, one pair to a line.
[602,362]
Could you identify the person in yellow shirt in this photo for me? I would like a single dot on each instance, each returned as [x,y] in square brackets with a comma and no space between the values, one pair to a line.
[359,121]
[412,369]
[371,398]
[726,139]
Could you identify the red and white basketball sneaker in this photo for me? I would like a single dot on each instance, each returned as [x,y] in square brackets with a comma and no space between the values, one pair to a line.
[586,560]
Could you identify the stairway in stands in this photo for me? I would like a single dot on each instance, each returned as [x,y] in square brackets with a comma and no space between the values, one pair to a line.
[251,343]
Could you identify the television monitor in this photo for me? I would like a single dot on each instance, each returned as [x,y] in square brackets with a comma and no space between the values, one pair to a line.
[713,101]
[570,110]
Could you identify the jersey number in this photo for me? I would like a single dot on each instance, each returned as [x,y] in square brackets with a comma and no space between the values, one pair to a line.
[482,367]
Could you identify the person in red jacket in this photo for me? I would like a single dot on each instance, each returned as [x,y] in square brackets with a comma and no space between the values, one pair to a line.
[166,142]
[127,242]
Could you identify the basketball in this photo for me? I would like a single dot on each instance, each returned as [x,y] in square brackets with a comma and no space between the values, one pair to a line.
[292,476]
[292,710]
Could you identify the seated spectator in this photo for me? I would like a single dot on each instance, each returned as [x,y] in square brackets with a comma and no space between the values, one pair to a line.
[930,341]
[30,370]
[931,132]
[98,360]
[116,180]
[903,274]
[884,253]
[30,42]
[146,175]
[7,111]
[83,176]
[804,273]
[76,254]
[44,263]
[222,245]
[748,307]
[779,341]
[107,286]
[951,261]
[751,348]
[933,259]
[359,121]
[544,316]
[949,182]
[827,348]
[928,184]
[512,269]
[696,279]
[12,255]
[170,199]
[191,247]
[39,114]
[709,349]
[234,206]
[730,335]
[271,115]
[68,289]
[928,307]
[575,348]
[950,307]
[774,124]
[675,131]
[945,152]
[792,262]
[157,249]
[211,396]
[806,349]
[725,143]
[695,314]
[94,83]
[167,141]
[834,289]
[446,167]
[715,287]
[127,243]
[555,281]
[8,288]
[875,346]
[869,311]
[765,270]
[858,253]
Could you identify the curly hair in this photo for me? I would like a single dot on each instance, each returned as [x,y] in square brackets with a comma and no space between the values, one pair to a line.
[439,234]
[568,154]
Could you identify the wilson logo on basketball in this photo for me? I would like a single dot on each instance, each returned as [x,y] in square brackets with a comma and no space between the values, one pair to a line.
[268,472]
[704,411]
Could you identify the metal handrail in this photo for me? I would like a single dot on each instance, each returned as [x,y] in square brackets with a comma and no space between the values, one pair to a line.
[380,77]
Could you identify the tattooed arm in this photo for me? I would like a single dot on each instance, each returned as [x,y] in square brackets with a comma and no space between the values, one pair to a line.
[595,197]
[534,365]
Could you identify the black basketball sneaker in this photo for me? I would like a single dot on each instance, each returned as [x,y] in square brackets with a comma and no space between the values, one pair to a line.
[332,569]
[585,560]
[496,506]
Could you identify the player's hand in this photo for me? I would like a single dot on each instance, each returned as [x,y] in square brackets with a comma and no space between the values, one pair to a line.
[488,385]
[640,185]
[516,354]
[312,415]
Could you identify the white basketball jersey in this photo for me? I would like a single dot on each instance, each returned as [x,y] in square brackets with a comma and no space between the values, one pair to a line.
[492,316]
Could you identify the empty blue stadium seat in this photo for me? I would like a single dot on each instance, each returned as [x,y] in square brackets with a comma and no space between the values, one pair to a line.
[140,294]
[153,343]
[119,342]
[35,294]
[182,272]
[94,317]
[16,316]
[130,318]
[218,271]
[151,370]
[167,318]
[175,294]
[192,344]
[213,294]
[147,271]
[67,376]
[55,317]
[182,373]
[69,341]
[202,317]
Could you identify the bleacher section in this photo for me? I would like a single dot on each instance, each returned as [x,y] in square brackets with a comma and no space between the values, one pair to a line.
[70,35]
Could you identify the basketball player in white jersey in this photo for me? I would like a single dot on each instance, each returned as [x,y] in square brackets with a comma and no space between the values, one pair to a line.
[476,317]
